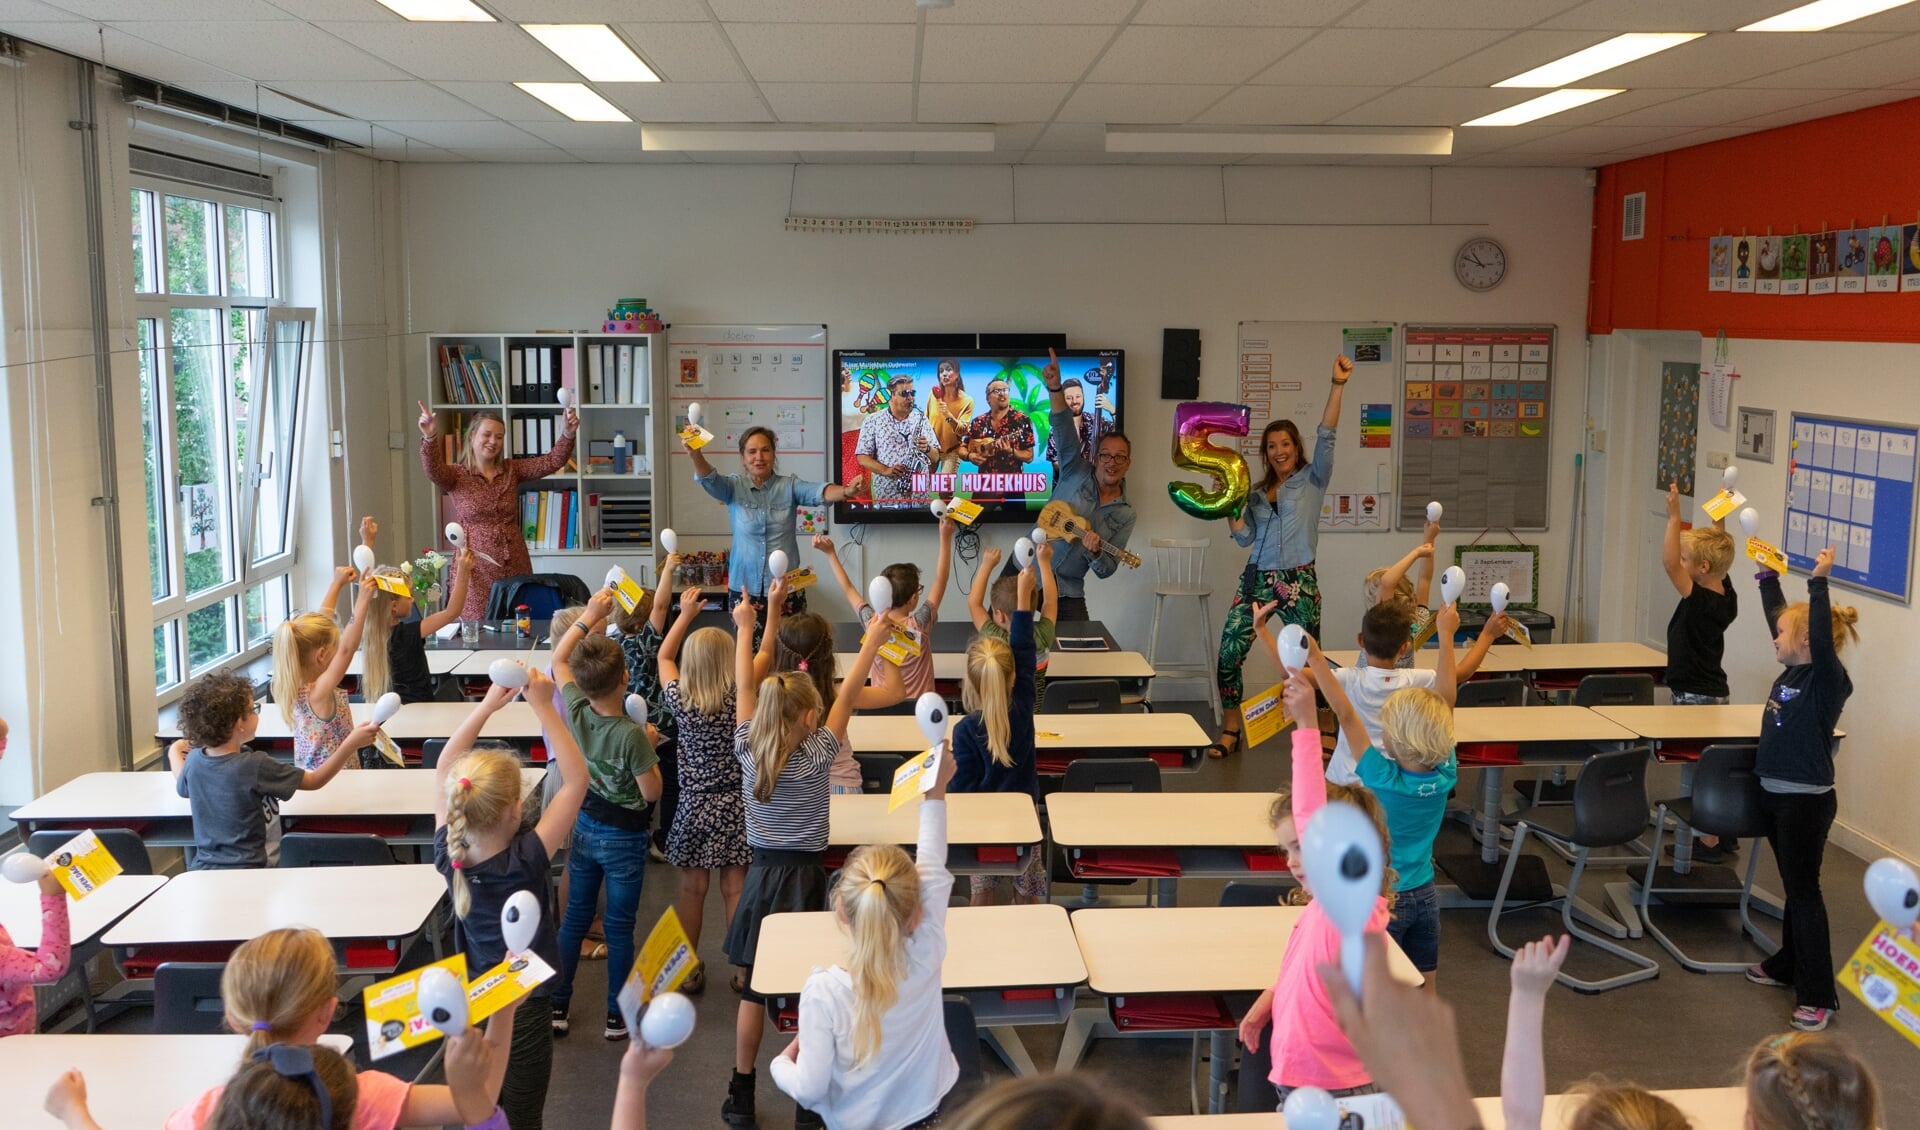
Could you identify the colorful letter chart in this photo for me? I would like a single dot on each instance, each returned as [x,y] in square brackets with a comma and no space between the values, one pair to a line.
[1477,411]
[1851,486]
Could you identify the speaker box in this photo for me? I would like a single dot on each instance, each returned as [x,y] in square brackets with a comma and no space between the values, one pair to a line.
[1023,343]
[960,342]
[1179,364]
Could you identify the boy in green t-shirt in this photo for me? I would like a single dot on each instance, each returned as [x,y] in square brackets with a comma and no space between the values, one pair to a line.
[993,620]
[610,835]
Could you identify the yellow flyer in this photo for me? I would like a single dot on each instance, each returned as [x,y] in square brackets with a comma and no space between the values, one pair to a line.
[902,647]
[803,577]
[394,1023]
[915,777]
[695,437]
[1518,633]
[964,511]
[387,582]
[505,983]
[1265,714]
[1885,974]
[1424,625]
[1723,504]
[82,864]
[665,958]
[389,750]
[1767,555]
[628,591]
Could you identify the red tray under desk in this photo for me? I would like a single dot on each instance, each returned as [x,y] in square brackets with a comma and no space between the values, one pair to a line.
[1172,1012]
[1103,863]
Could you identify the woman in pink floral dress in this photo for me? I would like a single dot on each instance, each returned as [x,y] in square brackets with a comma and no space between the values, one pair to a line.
[484,490]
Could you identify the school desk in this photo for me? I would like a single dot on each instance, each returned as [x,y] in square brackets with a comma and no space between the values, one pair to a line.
[1014,964]
[1706,1108]
[370,914]
[133,1080]
[1172,740]
[987,833]
[1559,667]
[954,630]
[1123,666]
[86,920]
[1498,661]
[1183,970]
[474,664]
[440,661]
[1166,836]
[416,722]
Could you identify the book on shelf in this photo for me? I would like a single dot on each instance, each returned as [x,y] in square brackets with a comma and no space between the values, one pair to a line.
[551,520]
[468,378]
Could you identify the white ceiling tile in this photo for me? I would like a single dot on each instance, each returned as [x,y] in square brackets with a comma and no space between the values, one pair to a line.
[545,156]
[334,10]
[1138,104]
[1287,105]
[1241,13]
[856,158]
[464,135]
[1076,157]
[416,154]
[363,134]
[1431,106]
[1011,157]
[1028,12]
[688,102]
[686,52]
[1686,140]
[840,101]
[436,51]
[266,49]
[744,158]
[1503,14]
[1718,107]
[1485,139]
[1615,106]
[990,101]
[1194,54]
[596,11]
[32,11]
[1508,159]
[825,52]
[387,101]
[1352,55]
[970,53]
[502,100]
[257,98]
[814,11]
[571,135]
[117,49]
[1668,15]
[115,10]
[1513,55]
[627,157]
[1730,57]
[1073,135]
[1883,64]
[1598,139]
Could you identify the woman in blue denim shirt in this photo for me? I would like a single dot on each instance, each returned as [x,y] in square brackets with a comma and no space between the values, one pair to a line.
[1281,522]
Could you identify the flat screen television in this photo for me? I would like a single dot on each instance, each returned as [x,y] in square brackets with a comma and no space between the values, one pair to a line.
[1010,468]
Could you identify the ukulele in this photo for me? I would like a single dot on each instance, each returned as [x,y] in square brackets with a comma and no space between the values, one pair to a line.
[1059,521]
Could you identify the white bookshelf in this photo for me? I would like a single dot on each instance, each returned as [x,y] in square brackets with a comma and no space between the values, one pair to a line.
[600,417]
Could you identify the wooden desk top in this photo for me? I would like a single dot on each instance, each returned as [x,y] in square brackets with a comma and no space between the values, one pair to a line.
[416,721]
[474,664]
[1577,656]
[1663,723]
[1193,949]
[1707,1108]
[972,818]
[20,908]
[131,1080]
[1524,724]
[232,906]
[438,661]
[988,947]
[386,792]
[1060,664]
[1160,819]
[1499,660]
[897,733]
[146,796]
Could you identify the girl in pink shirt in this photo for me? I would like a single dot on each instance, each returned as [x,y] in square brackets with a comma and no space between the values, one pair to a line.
[22,969]
[1309,1050]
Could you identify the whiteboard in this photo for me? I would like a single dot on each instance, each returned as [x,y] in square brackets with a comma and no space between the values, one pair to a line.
[1283,370]
[1851,486]
[743,376]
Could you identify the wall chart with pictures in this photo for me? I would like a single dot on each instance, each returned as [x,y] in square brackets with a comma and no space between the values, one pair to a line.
[1476,411]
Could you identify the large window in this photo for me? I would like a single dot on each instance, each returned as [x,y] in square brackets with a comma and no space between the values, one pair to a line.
[222,370]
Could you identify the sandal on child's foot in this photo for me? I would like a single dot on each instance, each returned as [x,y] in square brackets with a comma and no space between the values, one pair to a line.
[1226,745]
[696,981]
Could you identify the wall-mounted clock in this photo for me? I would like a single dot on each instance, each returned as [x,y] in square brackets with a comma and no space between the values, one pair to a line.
[1480,264]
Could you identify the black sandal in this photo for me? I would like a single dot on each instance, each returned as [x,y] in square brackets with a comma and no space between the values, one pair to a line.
[1226,750]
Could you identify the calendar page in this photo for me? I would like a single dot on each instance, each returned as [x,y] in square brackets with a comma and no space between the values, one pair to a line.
[1488,565]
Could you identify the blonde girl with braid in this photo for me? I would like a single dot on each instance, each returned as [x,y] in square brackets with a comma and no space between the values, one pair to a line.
[785,744]
[310,657]
[872,1052]
[479,847]
[1802,1081]
[993,745]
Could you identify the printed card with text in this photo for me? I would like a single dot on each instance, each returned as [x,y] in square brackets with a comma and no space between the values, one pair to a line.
[1885,974]
[1424,625]
[917,776]
[1767,555]
[518,975]
[964,511]
[1518,633]
[389,750]
[802,578]
[627,591]
[664,961]
[396,585]
[1265,715]
[1723,504]
[695,437]
[903,645]
[82,864]
[394,1023]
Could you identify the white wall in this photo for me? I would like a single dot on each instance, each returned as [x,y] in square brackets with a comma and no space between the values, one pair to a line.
[1878,792]
[1107,255]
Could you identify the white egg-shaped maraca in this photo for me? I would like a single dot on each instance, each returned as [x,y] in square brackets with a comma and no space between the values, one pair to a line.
[1023,552]
[614,576]
[387,707]
[1293,647]
[1434,510]
[668,1022]
[1750,521]
[442,1000]
[1341,851]
[1730,477]
[456,535]
[880,594]
[777,563]
[693,415]
[507,673]
[565,396]
[931,712]
[1498,596]
[23,867]
[1894,892]
[637,709]
[1310,1108]
[520,921]
[1039,537]
[363,559]
[938,507]
[669,540]
[1453,582]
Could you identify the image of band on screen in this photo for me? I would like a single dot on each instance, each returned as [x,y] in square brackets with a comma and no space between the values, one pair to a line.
[943,424]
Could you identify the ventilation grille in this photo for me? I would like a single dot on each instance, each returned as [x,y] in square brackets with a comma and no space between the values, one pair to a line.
[1633,216]
[200,174]
[142,91]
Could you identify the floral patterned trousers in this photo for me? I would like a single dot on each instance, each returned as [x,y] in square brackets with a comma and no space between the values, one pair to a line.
[1297,590]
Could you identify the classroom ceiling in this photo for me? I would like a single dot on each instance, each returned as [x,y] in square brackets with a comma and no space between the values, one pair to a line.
[1048,75]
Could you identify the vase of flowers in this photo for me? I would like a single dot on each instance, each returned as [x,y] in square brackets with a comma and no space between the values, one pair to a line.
[423,577]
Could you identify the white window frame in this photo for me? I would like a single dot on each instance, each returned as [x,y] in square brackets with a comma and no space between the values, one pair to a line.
[239,486]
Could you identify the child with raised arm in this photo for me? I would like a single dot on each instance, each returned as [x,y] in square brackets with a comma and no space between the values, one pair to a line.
[804,642]
[993,617]
[642,631]
[908,613]
[311,654]
[871,1052]
[610,836]
[1411,768]
[785,742]
[1390,583]
[395,655]
[1383,638]
[993,745]
[1696,562]
[1794,762]
[235,791]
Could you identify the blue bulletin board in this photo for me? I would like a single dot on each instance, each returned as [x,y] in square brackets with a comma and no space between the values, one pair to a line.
[1852,486]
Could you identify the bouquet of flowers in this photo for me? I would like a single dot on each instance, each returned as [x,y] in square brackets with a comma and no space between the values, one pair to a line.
[423,577]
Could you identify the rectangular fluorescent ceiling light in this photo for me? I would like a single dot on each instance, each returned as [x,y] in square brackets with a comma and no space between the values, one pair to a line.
[439,11]
[576,100]
[1823,14]
[593,50]
[814,139]
[1618,51]
[1434,141]
[1536,108]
